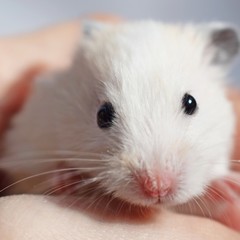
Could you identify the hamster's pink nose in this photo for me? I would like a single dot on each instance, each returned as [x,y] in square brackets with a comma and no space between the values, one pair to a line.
[156,186]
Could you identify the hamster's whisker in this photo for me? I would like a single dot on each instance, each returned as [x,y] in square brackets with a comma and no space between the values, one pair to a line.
[66,174]
[91,180]
[217,192]
[8,162]
[96,199]
[215,202]
[99,196]
[89,190]
[50,181]
[36,175]
[199,206]
[46,173]
[234,181]
[205,205]
[130,208]
[117,208]
[121,206]
[56,152]
[81,183]
[56,189]
[113,197]
[99,201]
[209,197]
[189,204]
[82,196]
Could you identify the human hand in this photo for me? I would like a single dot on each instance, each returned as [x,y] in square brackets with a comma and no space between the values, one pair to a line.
[29,217]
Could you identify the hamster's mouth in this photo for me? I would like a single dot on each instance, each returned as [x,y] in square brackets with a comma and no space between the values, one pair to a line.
[142,200]
[162,202]
[75,183]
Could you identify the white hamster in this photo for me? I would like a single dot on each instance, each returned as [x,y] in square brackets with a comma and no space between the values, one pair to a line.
[142,111]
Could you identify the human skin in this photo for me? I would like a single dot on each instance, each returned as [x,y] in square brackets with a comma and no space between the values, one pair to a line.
[35,217]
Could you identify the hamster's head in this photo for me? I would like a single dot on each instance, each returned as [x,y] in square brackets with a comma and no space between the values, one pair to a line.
[162,117]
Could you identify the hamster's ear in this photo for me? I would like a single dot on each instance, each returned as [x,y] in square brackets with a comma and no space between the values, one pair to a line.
[90,27]
[224,40]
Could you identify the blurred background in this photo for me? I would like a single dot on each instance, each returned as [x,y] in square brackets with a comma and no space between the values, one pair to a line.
[18,16]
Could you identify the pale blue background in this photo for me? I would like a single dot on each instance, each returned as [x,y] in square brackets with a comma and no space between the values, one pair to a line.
[17,16]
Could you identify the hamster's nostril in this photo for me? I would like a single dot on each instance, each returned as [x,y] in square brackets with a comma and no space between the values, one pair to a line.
[156,186]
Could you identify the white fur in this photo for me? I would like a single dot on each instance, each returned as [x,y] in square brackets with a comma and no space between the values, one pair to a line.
[144,69]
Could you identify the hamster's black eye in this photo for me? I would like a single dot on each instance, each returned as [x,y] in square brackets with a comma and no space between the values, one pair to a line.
[105,115]
[189,104]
